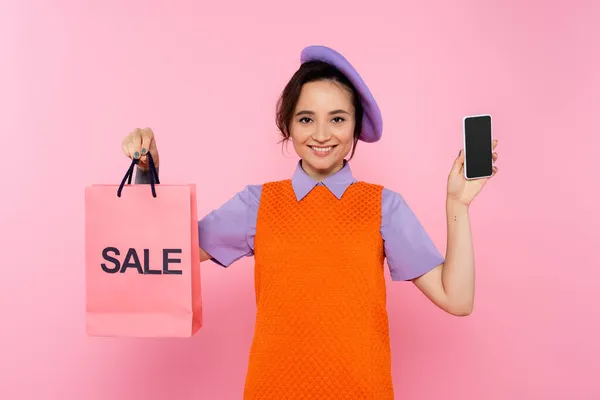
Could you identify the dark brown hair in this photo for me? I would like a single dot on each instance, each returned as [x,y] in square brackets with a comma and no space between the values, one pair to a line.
[310,72]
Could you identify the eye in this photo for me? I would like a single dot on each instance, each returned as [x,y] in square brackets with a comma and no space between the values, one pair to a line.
[339,119]
[305,120]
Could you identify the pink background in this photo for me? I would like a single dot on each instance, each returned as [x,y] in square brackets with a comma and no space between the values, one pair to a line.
[76,77]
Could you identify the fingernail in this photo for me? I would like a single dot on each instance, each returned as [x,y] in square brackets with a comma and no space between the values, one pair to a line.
[136,154]
[144,150]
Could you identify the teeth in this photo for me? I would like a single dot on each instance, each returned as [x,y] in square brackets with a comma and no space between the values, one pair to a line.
[322,149]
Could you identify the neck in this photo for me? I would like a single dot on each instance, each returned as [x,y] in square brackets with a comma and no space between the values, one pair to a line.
[318,174]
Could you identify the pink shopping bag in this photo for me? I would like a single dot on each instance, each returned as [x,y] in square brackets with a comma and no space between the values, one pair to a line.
[142,259]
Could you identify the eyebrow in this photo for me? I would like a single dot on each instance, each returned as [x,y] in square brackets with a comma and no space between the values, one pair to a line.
[307,112]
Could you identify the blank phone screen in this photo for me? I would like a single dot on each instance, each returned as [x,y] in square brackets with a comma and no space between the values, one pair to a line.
[478,146]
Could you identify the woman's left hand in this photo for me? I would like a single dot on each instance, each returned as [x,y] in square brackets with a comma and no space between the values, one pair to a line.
[462,190]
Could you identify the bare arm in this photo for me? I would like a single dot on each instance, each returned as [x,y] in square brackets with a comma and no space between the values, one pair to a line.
[451,285]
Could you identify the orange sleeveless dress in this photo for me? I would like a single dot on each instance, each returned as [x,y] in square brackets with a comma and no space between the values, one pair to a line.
[321,326]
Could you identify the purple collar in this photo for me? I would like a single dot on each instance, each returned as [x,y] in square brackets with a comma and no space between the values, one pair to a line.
[336,183]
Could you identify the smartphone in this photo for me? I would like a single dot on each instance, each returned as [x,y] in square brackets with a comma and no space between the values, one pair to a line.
[477,143]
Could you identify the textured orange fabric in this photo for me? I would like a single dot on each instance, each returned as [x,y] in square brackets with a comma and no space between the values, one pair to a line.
[321,327]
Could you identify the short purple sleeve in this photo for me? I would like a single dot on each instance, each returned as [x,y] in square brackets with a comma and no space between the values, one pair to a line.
[409,250]
[227,233]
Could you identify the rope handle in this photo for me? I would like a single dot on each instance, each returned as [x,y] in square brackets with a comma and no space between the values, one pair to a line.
[129,175]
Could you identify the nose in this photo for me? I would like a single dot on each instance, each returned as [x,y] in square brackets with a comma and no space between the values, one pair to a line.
[321,134]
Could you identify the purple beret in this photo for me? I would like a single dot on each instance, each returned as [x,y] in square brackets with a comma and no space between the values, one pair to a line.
[372,125]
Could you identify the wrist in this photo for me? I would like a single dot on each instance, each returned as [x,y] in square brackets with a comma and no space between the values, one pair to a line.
[456,207]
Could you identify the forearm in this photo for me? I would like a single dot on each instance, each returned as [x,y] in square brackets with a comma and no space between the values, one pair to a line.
[458,271]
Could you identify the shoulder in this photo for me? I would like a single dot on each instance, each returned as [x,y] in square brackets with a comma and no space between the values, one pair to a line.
[374,187]
[276,186]
[248,198]
[387,195]
[251,193]
[282,182]
[392,198]
[392,202]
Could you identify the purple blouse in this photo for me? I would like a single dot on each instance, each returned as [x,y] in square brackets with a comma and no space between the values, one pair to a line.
[227,233]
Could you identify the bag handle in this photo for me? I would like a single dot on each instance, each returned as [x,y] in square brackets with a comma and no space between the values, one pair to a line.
[129,174]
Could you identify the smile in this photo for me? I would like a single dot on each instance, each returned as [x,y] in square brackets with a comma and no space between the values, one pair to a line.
[322,150]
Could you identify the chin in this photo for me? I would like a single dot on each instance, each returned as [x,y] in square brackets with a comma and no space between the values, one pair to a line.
[323,164]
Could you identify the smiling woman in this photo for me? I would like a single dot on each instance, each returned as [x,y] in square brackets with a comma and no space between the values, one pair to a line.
[319,240]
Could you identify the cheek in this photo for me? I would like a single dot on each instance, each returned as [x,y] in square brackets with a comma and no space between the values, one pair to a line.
[299,135]
[347,136]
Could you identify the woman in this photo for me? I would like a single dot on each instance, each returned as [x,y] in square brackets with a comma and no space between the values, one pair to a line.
[319,240]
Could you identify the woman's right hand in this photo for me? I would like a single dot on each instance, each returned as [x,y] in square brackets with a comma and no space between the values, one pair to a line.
[137,145]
